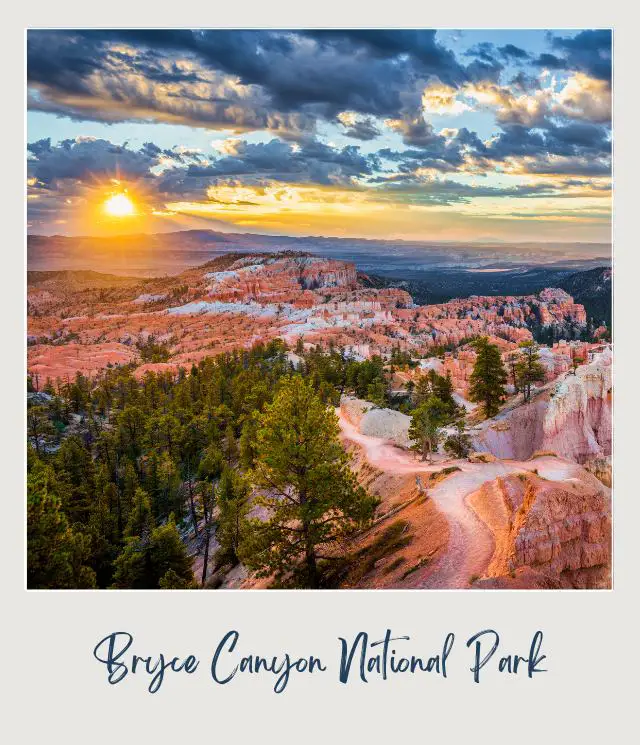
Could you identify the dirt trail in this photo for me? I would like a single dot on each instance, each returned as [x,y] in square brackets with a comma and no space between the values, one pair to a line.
[471,543]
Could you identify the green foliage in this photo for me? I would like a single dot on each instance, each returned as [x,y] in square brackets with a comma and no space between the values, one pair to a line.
[433,384]
[153,351]
[366,378]
[310,494]
[458,444]
[233,509]
[488,379]
[426,425]
[126,453]
[528,368]
[148,561]
[40,430]
[56,554]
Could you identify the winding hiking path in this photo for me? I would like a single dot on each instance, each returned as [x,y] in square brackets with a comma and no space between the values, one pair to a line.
[471,543]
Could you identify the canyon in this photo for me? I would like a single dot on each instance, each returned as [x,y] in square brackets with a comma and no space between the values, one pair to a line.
[529,508]
[76,323]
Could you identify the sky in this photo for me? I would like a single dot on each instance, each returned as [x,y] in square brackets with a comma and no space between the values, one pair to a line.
[395,134]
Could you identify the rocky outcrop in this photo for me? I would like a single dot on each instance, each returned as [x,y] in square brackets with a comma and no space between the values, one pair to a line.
[373,421]
[285,295]
[572,418]
[601,469]
[558,531]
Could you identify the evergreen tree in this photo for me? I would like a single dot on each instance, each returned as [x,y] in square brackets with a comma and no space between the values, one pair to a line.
[423,389]
[247,442]
[230,445]
[426,425]
[140,521]
[168,553]
[57,557]
[377,392]
[443,389]
[311,495]
[233,508]
[458,444]
[487,381]
[147,561]
[529,369]
[512,361]
[39,428]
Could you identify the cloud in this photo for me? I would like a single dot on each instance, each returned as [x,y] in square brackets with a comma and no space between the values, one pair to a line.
[283,81]
[311,162]
[551,131]
[442,99]
[86,159]
[358,127]
[511,52]
[588,52]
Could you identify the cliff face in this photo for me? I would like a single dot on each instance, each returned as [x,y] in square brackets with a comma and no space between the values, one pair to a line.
[573,419]
[547,533]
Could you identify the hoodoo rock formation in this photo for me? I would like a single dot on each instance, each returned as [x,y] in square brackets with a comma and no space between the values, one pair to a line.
[557,529]
[264,296]
[571,417]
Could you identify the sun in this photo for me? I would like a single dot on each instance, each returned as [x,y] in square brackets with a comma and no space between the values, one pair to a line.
[119,205]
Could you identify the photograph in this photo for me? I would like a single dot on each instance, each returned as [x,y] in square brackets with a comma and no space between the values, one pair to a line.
[318,309]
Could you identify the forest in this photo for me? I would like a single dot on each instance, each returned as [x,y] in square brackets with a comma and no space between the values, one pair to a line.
[236,460]
[128,479]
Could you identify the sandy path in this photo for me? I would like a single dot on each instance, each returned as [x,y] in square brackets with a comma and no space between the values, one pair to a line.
[471,544]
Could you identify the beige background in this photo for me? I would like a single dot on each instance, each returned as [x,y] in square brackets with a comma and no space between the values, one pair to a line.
[55,692]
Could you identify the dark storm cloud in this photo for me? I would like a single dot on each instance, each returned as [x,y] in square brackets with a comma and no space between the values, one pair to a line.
[588,52]
[284,82]
[186,172]
[85,159]
[432,150]
[510,51]
[311,163]
[489,53]
[308,75]
[578,139]
[429,56]
[362,129]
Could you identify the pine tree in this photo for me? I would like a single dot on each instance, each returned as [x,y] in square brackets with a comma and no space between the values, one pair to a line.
[443,389]
[458,444]
[529,369]
[423,389]
[39,428]
[426,425]
[247,442]
[148,561]
[230,445]
[140,521]
[487,381]
[233,508]
[310,493]
[167,553]
[57,556]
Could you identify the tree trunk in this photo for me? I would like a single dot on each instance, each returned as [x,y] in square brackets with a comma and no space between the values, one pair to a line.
[312,568]
[119,509]
[207,536]
[192,506]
